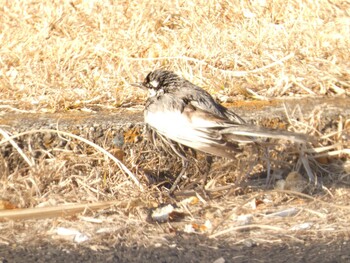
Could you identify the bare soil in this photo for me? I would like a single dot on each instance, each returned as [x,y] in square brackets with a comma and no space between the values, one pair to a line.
[183,248]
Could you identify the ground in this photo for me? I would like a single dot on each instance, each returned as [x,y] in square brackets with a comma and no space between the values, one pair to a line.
[236,218]
[79,178]
[184,249]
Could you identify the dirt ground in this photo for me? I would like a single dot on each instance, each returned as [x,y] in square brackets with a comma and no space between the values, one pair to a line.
[182,248]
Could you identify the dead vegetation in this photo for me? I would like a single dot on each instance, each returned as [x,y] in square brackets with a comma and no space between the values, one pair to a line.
[77,55]
[50,173]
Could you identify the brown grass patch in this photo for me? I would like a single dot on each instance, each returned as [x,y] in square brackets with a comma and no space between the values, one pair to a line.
[76,54]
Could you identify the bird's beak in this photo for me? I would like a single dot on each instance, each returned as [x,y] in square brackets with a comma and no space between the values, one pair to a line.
[139,85]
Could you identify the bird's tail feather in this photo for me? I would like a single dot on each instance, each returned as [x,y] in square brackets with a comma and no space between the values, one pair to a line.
[246,133]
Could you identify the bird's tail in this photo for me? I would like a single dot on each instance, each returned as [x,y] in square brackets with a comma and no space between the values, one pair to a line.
[246,133]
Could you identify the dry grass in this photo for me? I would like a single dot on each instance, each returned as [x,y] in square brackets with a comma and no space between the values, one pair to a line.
[56,179]
[76,54]
[82,55]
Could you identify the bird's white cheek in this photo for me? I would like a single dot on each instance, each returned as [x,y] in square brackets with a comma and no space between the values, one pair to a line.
[154,83]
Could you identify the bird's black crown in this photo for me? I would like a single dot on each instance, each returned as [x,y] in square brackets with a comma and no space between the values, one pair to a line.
[160,79]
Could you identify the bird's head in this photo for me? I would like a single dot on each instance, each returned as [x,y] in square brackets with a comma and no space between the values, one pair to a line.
[158,81]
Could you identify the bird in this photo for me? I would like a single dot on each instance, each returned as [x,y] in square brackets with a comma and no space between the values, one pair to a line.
[186,114]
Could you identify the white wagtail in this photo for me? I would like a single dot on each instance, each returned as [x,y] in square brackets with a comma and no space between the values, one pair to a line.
[188,115]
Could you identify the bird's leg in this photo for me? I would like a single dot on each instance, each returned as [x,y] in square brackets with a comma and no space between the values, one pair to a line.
[268,164]
[305,161]
[180,153]
[184,162]
[209,161]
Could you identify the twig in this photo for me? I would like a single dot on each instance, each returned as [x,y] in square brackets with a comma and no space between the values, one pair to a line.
[15,145]
[312,198]
[55,211]
[235,228]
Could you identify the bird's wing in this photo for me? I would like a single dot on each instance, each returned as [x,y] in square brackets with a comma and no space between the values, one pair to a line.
[201,99]
[214,126]
[204,132]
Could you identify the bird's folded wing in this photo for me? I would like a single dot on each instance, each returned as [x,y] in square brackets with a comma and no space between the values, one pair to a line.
[233,132]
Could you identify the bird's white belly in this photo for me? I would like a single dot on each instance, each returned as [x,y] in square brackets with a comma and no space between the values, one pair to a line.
[176,126]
